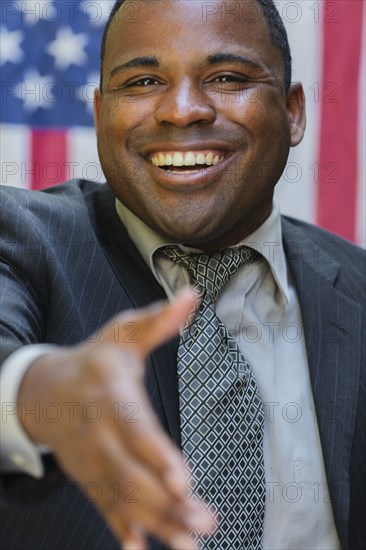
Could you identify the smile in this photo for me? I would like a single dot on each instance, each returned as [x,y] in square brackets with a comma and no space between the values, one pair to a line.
[186,161]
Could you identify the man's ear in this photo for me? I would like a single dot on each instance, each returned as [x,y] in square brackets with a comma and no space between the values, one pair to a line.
[97,107]
[296,112]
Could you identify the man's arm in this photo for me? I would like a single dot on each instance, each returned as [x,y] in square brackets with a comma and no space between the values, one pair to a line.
[106,452]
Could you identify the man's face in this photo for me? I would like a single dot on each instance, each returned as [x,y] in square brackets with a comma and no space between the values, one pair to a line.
[183,85]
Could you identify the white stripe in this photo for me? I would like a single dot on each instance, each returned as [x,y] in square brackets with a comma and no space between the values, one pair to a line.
[82,155]
[15,143]
[296,191]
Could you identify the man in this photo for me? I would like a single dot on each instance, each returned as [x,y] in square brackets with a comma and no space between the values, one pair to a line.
[194,118]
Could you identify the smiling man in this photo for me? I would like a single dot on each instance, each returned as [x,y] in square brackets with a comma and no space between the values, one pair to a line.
[263,391]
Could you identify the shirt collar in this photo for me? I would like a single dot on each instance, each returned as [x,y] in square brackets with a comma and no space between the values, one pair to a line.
[146,240]
[267,239]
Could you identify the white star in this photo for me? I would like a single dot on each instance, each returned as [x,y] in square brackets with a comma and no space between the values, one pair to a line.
[86,92]
[34,10]
[10,49]
[36,91]
[68,48]
[96,12]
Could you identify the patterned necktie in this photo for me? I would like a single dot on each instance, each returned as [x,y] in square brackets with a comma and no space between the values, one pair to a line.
[220,408]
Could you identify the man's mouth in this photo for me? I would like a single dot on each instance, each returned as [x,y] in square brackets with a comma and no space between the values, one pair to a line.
[186,161]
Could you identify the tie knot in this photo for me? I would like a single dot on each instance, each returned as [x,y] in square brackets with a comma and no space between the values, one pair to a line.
[211,271]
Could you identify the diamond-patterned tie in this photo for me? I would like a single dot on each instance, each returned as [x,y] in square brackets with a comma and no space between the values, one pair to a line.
[220,408]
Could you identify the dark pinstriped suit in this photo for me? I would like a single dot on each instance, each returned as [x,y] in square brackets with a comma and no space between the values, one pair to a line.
[68,265]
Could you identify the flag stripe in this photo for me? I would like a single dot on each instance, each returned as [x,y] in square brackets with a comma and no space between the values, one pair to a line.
[83,154]
[338,157]
[48,158]
[361,195]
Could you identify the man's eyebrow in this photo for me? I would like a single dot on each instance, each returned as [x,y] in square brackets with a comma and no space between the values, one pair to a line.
[146,61]
[213,59]
[217,58]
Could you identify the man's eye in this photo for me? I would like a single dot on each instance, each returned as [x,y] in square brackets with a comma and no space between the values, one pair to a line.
[224,79]
[228,83]
[143,82]
[228,79]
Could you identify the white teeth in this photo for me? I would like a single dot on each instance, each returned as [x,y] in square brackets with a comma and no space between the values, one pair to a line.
[185,159]
[189,159]
[178,159]
[209,158]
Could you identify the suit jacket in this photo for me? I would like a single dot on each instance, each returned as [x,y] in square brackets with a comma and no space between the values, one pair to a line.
[68,265]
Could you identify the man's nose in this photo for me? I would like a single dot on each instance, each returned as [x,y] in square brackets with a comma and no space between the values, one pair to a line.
[183,105]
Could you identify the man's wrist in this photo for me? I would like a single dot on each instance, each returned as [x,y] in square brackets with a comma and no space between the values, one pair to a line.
[18,452]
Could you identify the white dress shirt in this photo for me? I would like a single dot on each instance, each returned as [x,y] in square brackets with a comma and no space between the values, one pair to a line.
[260,308]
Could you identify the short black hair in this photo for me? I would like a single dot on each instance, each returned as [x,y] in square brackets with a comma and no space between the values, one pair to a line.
[276,28]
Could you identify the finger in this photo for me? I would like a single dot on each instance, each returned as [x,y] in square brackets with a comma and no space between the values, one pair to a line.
[150,445]
[151,493]
[169,320]
[134,543]
[157,323]
[128,536]
[180,542]
[130,494]
[113,470]
[134,539]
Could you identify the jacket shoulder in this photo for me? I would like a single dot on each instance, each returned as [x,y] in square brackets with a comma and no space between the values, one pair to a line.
[327,253]
[55,199]
[26,213]
[318,234]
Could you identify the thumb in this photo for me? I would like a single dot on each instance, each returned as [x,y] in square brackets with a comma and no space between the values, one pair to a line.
[157,323]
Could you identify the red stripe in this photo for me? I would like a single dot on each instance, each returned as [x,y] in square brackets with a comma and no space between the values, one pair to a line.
[338,158]
[48,158]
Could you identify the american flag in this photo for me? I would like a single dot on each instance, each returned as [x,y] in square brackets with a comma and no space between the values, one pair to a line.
[50,67]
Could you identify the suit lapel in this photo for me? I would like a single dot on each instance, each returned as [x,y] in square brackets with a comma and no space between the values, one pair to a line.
[142,289]
[332,325]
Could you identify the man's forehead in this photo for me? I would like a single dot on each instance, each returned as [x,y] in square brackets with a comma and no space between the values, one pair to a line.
[234,12]
[228,20]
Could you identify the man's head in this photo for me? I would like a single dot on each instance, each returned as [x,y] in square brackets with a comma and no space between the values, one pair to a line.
[194,121]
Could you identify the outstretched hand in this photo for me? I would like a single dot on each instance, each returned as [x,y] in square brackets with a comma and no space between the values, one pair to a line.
[140,474]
